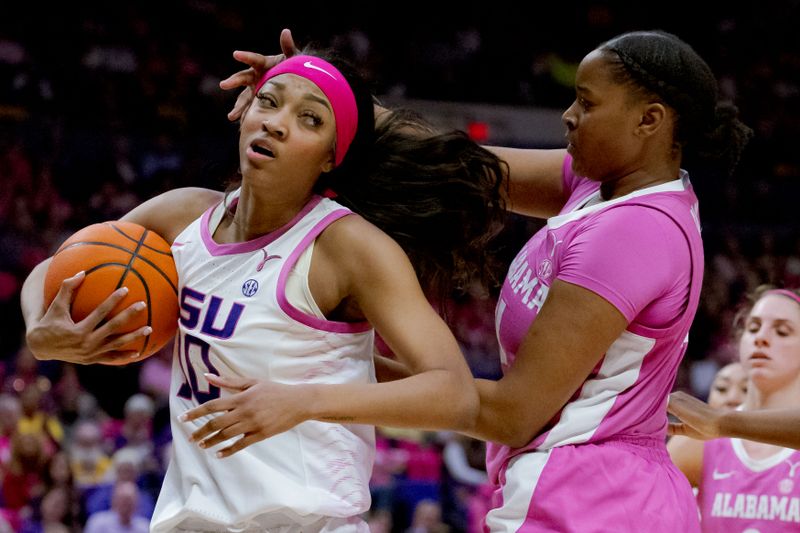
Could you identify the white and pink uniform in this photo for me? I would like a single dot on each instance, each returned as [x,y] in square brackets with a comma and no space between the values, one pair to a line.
[239,317]
[739,494]
[601,463]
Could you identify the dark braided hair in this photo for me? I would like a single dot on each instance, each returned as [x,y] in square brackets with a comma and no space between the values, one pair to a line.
[660,64]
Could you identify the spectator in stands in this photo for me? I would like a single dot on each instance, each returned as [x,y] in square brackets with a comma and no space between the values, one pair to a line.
[122,517]
[10,413]
[90,464]
[127,467]
[23,477]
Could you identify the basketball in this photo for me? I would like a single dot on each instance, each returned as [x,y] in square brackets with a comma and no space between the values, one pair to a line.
[115,254]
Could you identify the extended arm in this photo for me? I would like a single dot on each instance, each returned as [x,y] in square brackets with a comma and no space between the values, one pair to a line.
[573,330]
[698,420]
[51,332]
[356,266]
[535,176]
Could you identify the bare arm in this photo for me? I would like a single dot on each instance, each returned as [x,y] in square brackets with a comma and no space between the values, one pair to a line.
[51,332]
[535,180]
[384,286]
[535,176]
[698,420]
[432,386]
[169,213]
[550,365]
[387,369]
[687,455]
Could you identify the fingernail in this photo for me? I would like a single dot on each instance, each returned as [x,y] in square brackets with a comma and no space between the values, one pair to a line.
[147,330]
[81,273]
[122,290]
[183,418]
[140,305]
[136,355]
[219,455]
[203,444]
[208,375]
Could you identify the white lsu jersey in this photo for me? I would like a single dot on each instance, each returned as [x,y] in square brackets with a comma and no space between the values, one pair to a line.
[235,320]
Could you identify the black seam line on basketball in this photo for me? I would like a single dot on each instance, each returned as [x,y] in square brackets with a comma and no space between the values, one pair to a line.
[156,250]
[146,296]
[129,268]
[123,249]
[134,255]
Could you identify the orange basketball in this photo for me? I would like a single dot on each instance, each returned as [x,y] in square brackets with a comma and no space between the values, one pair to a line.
[116,254]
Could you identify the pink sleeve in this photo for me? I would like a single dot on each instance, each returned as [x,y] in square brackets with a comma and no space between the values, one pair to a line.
[634,257]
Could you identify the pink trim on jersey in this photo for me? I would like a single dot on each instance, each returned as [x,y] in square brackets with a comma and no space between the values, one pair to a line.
[651,235]
[216,249]
[296,314]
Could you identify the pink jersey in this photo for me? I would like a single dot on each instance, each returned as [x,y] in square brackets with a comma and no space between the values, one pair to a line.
[740,494]
[643,253]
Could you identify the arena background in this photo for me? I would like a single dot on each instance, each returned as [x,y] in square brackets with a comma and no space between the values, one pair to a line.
[104,105]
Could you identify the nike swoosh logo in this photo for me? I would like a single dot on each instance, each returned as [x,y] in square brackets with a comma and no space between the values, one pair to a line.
[309,64]
[721,475]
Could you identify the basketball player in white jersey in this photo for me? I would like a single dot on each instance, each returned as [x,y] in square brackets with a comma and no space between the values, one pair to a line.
[280,288]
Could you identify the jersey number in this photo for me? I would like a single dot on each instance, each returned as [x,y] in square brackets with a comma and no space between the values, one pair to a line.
[194,354]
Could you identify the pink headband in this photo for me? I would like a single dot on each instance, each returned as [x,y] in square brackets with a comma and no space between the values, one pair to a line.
[785,292]
[332,83]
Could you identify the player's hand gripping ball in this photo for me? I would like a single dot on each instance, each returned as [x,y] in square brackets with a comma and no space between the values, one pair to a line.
[116,254]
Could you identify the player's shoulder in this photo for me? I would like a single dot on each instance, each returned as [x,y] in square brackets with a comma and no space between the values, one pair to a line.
[195,199]
[172,211]
[632,218]
[355,243]
[354,232]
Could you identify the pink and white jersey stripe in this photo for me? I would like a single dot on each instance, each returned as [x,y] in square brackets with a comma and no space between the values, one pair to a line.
[739,494]
[643,253]
[236,320]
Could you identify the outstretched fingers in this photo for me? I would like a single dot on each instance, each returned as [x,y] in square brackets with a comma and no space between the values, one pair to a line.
[208,431]
[243,78]
[258,65]
[63,299]
[220,405]
[101,312]
[116,343]
[113,325]
[242,101]
[288,47]
[244,442]
[234,429]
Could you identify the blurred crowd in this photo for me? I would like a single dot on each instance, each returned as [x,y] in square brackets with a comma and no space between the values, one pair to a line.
[103,107]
